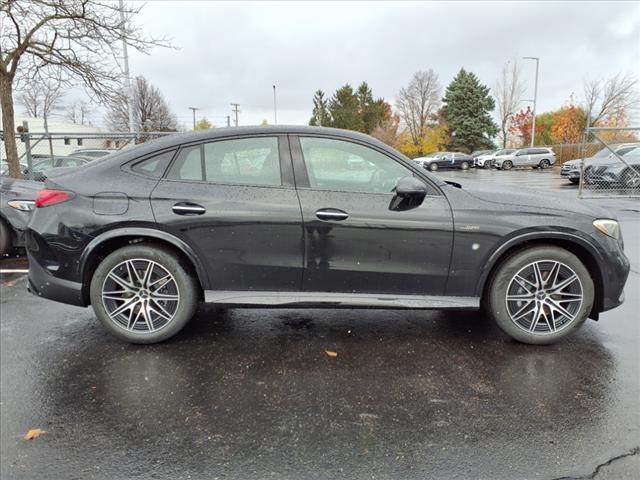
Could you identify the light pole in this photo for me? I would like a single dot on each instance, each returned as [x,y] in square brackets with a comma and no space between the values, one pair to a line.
[535,98]
[275,110]
[127,75]
[194,115]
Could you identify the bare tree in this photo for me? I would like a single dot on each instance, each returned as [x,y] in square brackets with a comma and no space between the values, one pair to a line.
[150,110]
[509,90]
[78,112]
[418,101]
[41,98]
[80,38]
[605,99]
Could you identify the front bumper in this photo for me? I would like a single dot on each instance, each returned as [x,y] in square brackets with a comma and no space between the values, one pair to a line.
[44,284]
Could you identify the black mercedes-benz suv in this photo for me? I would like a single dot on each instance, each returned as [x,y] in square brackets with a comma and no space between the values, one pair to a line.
[311,217]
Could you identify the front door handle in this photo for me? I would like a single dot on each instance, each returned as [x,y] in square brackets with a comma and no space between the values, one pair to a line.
[331,214]
[187,208]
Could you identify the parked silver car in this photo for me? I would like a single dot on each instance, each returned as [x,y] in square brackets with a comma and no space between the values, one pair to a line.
[571,169]
[487,160]
[537,157]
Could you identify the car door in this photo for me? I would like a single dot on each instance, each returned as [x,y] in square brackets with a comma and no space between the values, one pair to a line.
[356,239]
[234,202]
[521,158]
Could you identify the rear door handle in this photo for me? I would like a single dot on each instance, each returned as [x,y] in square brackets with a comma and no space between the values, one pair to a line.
[187,208]
[331,214]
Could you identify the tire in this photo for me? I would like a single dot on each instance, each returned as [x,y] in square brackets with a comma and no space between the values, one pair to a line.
[516,317]
[507,165]
[544,163]
[464,166]
[631,178]
[5,239]
[177,299]
[433,167]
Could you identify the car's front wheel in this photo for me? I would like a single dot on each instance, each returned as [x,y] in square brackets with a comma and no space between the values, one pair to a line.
[143,293]
[540,295]
[433,167]
[507,165]
[631,178]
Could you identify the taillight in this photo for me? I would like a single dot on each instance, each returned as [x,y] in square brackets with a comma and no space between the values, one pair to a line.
[46,197]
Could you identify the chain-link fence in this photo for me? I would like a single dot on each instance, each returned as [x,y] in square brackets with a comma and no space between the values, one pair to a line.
[566,152]
[615,169]
[42,151]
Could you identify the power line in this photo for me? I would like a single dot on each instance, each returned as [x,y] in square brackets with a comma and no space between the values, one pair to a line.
[235,111]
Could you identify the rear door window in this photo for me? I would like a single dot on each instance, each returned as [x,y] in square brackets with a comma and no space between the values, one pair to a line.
[244,161]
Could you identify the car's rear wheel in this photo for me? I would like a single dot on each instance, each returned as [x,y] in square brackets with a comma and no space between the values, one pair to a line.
[540,295]
[544,163]
[631,178]
[507,165]
[433,167]
[143,293]
[5,239]
[464,166]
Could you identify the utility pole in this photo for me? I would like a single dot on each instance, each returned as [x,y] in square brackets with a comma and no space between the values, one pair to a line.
[235,111]
[228,120]
[275,109]
[535,98]
[193,109]
[127,76]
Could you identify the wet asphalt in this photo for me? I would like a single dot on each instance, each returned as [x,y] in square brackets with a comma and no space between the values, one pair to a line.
[252,394]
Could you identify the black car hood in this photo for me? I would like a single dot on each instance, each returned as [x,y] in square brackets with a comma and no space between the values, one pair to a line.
[525,197]
[16,188]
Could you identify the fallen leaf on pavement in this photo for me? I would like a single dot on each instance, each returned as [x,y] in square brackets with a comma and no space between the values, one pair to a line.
[330,353]
[33,433]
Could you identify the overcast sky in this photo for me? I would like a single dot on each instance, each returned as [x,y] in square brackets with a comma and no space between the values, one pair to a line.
[235,52]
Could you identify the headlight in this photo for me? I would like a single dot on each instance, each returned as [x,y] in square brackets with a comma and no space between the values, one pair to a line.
[608,227]
[22,205]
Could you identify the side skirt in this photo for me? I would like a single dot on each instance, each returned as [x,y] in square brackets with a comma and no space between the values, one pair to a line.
[337,300]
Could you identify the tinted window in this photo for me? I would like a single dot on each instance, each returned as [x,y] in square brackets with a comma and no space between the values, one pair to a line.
[247,161]
[154,166]
[71,162]
[536,151]
[348,167]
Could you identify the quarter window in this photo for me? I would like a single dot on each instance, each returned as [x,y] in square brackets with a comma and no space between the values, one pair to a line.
[246,161]
[348,167]
[154,166]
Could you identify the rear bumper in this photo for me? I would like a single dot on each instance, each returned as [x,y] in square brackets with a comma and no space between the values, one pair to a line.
[44,284]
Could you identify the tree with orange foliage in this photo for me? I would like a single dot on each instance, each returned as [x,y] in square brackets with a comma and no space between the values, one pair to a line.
[568,124]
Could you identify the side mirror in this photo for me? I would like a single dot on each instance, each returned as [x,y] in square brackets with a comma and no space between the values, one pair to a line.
[408,187]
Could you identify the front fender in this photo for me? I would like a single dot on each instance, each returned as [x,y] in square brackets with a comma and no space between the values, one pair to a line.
[520,239]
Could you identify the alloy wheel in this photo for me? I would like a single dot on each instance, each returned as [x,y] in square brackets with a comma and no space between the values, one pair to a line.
[545,164]
[464,166]
[140,296]
[632,179]
[544,297]
[507,165]
[433,167]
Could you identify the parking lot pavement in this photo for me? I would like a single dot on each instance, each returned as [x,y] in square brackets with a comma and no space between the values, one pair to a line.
[252,394]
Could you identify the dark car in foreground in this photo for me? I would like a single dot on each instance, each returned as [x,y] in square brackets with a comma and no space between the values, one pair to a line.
[275,217]
[17,198]
[438,160]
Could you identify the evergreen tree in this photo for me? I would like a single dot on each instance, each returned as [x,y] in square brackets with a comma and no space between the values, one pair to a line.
[345,109]
[320,115]
[467,110]
[373,112]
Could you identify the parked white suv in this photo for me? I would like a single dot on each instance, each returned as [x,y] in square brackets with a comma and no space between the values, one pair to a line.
[487,160]
[537,157]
